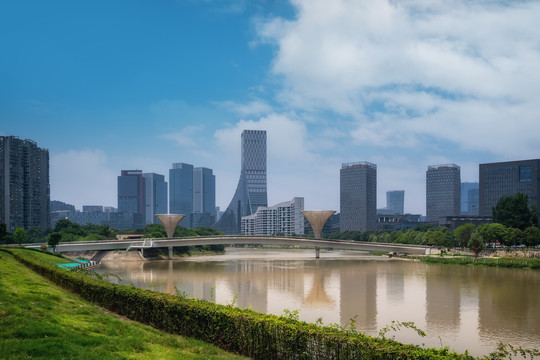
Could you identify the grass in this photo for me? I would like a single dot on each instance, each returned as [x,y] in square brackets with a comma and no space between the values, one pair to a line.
[39,320]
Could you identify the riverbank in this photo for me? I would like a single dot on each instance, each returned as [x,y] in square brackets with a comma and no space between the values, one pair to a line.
[521,263]
[41,320]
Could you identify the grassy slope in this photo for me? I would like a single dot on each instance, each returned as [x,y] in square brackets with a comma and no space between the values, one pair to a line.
[41,320]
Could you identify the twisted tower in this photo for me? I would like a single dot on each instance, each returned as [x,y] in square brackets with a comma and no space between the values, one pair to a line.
[251,190]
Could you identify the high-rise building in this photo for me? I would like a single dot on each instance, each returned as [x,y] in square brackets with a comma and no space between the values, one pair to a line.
[204,197]
[282,219]
[443,192]
[358,196]
[131,195]
[181,191]
[155,197]
[251,190]
[507,179]
[469,198]
[395,201]
[24,184]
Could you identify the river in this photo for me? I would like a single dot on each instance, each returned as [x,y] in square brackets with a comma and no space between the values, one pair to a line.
[462,307]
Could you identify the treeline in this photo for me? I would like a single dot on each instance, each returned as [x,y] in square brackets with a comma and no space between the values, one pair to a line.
[468,235]
[66,230]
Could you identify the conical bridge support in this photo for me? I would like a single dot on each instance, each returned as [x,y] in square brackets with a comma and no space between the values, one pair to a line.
[170,221]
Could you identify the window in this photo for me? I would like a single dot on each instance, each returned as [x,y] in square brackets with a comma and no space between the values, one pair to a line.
[525,173]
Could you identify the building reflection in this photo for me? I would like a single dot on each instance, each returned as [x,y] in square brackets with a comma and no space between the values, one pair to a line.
[443,299]
[358,295]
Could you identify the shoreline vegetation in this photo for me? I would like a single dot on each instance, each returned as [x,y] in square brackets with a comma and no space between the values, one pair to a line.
[64,324]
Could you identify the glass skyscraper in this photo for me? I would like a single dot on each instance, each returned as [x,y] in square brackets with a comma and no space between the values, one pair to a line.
[131,195]
[358,196]
[204,197]
[469,198]
[24,184]
[395,201]
[251,190]
[181,191]
[506,179]
[443,192]
[155,197]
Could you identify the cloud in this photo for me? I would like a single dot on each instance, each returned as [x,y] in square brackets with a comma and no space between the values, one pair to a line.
[83,178]
[458,71]
[252,108]
[185,137]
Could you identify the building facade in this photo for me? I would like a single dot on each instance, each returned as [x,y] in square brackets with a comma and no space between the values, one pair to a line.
[204,197]
[155,197]
[469,198]
[251,190]
[507,179]
[131,193]
[358,196]
[181,191]
[443,192]
[395,201]
[24,184]
[282,219]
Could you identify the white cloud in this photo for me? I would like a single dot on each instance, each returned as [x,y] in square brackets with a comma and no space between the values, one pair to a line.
[252,108]
[458,71]
[185,137]
[83,178]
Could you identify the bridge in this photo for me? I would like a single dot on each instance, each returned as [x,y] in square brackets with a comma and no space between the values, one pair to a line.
[317,244]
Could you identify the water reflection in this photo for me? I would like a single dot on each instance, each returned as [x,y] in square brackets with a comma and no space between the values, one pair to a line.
[458,306]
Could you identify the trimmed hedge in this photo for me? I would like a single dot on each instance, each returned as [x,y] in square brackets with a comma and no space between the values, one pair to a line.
[243,331]
[501,262]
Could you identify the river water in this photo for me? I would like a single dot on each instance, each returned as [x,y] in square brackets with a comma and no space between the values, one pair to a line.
[464,308]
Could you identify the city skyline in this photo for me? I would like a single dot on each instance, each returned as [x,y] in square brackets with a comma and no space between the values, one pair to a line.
[106,87]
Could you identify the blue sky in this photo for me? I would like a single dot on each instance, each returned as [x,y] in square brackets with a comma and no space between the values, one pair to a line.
[112,85]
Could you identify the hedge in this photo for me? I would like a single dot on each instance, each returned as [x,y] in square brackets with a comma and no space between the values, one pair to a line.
[243,331]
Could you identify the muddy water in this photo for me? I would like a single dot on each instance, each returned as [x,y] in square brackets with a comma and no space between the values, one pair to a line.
[457,306]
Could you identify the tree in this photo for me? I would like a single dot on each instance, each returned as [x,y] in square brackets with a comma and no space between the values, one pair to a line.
[462,234]
[513,211]
[531,236]
[54,239]
[476,243]
[19,235]
[3,233]
[492,233]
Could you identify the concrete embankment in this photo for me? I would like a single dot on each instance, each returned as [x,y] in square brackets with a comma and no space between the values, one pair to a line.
[107,255]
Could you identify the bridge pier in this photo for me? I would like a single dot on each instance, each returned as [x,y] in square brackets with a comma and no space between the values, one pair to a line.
[170,252]
[142,252]
[317,252]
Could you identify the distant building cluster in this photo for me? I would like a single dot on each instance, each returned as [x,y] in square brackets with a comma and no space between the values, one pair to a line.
[191,191]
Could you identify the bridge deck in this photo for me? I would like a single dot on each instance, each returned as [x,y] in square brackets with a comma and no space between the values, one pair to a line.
[240,240]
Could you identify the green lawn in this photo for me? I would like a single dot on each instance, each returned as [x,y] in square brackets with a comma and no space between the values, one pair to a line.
[39,320]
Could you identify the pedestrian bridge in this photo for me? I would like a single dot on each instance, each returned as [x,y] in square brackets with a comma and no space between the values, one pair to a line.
[317,244]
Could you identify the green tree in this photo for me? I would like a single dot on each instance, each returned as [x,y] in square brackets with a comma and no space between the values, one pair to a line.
[35,235]
[54,239]
[531,236]
[463,233]
[492,233]
[514,236]
[439,237]
[3,233]
[513,211]
[476,243]
[19,235]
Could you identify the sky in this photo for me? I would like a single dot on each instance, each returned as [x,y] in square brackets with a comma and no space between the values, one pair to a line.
[133,84]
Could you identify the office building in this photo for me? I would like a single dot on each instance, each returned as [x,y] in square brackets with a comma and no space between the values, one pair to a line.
[395,201]
[181,191]
[24,184]
[92,208]
[204,197]
[131,194]
[358,196]
[443,192]
[155,197]
[282,219]
[507,179]
[61,206]
[251,190]
[469,198]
